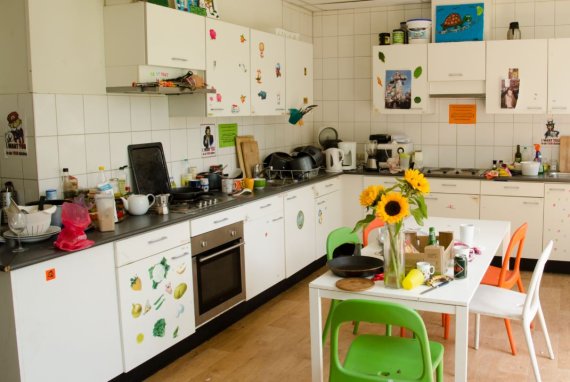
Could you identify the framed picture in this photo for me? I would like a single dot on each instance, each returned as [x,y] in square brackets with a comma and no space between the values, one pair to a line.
[398,93]
[459,22]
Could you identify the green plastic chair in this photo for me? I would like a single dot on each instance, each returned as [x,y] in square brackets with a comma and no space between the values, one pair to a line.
[373,357]
[335,239]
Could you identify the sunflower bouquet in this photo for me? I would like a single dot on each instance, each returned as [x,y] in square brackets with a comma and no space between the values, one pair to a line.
[392,205]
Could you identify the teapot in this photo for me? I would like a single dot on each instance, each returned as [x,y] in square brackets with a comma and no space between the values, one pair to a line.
[333,159]
[138,204]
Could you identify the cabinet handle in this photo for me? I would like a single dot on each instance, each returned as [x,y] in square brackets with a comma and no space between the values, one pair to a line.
[511,187]
[390,182]
[281,108]
[277,219]
[292,197]
[430,198]
[455,74]
[202,259]
[448,185]
[220,221]
[556,189]
[329,185]
[217,108]
[474,197]
[265,206]
[157,240]
[534,107]
[533,203]
[559,107]
[179,59]
[321,203]
[179,256]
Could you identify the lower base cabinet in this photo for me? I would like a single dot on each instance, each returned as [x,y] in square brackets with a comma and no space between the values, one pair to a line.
[453,205]
[299,205]
[556,213]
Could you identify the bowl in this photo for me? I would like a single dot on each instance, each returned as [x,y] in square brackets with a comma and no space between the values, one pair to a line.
[530,168]
[37,222]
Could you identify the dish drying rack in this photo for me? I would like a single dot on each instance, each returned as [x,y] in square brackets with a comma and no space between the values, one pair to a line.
[291,174]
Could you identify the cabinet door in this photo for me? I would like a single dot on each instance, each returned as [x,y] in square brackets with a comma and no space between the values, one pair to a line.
[558,76]
[181,44]
[399,79]
[299,75]
[67,322]
[156,302]
[556,211]
[384,181]
[227,68]
[352,211]
[267,73]
[453,205]
[328,216]
[264,252]
[530,58]
[299,229]
[518,210]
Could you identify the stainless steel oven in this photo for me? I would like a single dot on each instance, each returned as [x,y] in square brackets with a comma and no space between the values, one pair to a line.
[218,267]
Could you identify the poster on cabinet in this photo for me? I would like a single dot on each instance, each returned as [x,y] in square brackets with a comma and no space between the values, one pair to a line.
[15,136]
[208,140]
[510,89]
[398,93]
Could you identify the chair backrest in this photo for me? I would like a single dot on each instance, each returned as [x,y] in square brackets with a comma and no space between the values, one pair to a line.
[376,223]
[517,241]
[338,237]
[380,312]
[532,301]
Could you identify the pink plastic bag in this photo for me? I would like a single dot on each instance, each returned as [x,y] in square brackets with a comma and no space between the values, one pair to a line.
[75,219]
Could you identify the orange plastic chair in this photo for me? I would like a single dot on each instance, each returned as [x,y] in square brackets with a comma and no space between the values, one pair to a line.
[503,277]
[376,223]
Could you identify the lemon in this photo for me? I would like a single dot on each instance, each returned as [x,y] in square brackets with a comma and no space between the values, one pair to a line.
[140,338]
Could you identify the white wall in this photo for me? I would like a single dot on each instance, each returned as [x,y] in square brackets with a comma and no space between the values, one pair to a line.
[342,54]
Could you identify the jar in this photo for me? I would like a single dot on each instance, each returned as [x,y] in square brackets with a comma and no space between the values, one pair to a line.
[514,33]
[384,38]
[398,36]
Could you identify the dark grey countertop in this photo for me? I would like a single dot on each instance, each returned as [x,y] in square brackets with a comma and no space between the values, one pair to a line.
[132,225]
[545,178]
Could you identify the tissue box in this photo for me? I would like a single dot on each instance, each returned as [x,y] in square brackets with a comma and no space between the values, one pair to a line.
[416,249]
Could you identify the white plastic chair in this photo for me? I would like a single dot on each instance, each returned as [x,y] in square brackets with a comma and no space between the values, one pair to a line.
[504,303]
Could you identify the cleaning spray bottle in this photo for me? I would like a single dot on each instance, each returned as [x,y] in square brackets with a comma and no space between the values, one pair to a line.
[538,158]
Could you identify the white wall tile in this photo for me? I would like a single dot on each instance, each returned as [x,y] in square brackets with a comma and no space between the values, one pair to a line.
[97,151]
[330,68]
[330,90]
[465,135]
[431,155]
[317,26]
[394,19]
[362,46]
[330,111]
[447,156]
[346,67]
[522,134]
[45,119]
[159,113]
[330,47]
[562,13]
[163,136]
[96,114]
[503,153]
[524,14]
[178,145]
[361,23]
[118,149]
[362,67]
[12,168]
[30,163]
[119,113]
[504,15]
[362,91]
[378,23]
[72,153]
[430,134]
[330,25]
[503,134]
[346,111]
[484,134]
[346,90]
[346,46]
[31,191]
[346,24]
[26,110]
[544,32]
[48,157]
[544,13]
[317,47]
[466,157]
[140,113]
[139,137]
[69,109]
[362,110]
[318,68]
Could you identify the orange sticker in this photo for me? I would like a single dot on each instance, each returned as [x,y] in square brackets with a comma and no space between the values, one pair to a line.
[463,114]
[50,274]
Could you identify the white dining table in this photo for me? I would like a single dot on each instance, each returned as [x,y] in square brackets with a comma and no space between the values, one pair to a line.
[491,237]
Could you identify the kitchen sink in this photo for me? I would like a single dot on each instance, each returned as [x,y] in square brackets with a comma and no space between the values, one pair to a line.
[558,175]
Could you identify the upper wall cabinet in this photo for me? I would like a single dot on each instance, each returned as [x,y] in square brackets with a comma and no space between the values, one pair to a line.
[145,34]
[558,76]
[267,73]
[457,68]
[227,69]
[399,79]
[299,73]
[516,77]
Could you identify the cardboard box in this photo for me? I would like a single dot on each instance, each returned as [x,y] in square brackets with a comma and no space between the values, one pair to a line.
[416,249]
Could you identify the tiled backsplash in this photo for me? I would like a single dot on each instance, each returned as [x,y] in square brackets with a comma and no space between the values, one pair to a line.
[342,61]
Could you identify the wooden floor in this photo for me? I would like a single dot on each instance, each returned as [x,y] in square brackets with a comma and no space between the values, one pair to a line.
[273,343]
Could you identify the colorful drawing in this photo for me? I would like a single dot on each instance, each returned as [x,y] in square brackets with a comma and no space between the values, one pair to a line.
[261,49]
[211,9]
[262,94]
[168,287]
[15,136]
[379,81]
[278,70]
[181,268]
[180,310]
[242,98]
[140,338]
[158,272]
[461,22]
[242,38]
[180,290]
[258,76]
[136,283]
[398,89]
[159,328]
[136,310]
[235,108]
[212,34]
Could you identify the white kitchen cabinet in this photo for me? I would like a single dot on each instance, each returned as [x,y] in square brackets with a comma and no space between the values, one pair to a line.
[62,323]
[558,76]
[328,213]
[267,73]
[400,79]
[456,68]
[264,235]
[299,206]
[216,220]
[227,69]
[298,74]
[138,46]
[453,198]
[556,212]
[351,187]
[517,202]
[530,58]
[384,181]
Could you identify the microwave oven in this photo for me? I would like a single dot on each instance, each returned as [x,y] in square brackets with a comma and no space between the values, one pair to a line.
[391,150]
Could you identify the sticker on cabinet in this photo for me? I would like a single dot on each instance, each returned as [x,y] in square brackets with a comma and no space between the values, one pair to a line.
[262,94]
[278,70]
[212,34]
[242,38]
[261,49]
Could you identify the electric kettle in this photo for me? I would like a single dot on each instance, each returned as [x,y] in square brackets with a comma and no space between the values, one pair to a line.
[333,159]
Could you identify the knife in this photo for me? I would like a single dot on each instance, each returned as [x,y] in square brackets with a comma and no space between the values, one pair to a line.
[435,287]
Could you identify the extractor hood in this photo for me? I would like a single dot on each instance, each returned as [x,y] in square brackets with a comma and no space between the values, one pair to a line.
[457,89]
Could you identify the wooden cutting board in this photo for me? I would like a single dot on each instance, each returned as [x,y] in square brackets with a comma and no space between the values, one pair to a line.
[250,152]
[355,284]
[239,141]
[564,154]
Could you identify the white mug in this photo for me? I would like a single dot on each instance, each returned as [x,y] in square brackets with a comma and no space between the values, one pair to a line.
[466,234]
[426,268]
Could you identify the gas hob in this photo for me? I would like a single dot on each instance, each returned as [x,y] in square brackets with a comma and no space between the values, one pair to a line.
[200,203]
[454,172]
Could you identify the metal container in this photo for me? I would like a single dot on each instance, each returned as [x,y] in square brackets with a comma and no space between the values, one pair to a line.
[460,266]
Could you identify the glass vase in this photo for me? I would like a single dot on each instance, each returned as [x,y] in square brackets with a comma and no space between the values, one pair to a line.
[394,267]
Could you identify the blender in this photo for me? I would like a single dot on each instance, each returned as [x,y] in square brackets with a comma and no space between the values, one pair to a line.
[371,149]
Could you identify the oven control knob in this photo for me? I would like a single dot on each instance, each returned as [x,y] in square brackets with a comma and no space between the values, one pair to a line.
[215,201]
[200,204]
[210,202]
[204,244]
[233,233]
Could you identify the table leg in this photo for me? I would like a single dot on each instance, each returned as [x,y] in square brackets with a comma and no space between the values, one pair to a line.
[316,330]
[461,342]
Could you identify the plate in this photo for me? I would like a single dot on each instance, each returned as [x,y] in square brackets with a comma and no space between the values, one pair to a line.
[52,230]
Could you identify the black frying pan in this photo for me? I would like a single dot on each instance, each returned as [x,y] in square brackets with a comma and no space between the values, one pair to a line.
[355,266]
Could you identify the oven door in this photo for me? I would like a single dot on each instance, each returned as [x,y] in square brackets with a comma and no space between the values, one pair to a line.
[219,281]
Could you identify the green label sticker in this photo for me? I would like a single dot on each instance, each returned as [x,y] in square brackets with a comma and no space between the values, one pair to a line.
[418,72]
[227,133]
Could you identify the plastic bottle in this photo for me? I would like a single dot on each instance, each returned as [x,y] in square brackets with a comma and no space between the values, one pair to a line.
[68,186]
[494,164]
[101,178]
[518,155]
[538,158]
[514,33]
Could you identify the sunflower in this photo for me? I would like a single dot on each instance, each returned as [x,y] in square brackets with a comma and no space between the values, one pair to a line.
[417,181]
[369,195]
[393,207]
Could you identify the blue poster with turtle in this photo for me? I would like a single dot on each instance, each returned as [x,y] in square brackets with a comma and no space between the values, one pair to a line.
[460,22]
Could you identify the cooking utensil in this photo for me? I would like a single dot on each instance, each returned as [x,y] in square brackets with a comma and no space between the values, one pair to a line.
[355,266]
[239,141]
[302,162]
[315,153]
[149,169]
[250,152]
[435,287]
[328,137]
[278,161]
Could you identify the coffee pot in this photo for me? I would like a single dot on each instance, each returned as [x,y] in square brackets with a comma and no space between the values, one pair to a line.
[333,159]
[162,204]
[138,204]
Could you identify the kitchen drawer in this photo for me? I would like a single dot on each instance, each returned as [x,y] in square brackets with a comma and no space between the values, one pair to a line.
[217,220]
[327,186]
[264,207]
[141,246]
[384,181]
[532,189]
[454,186]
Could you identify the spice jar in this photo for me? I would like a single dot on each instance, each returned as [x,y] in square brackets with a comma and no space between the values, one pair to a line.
[384,38]
[398,36]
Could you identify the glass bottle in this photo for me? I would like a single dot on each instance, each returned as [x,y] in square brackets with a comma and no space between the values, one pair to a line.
[432,240]
[514,33]
[518,155]
[123,180]
[494,164]
[68,188]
